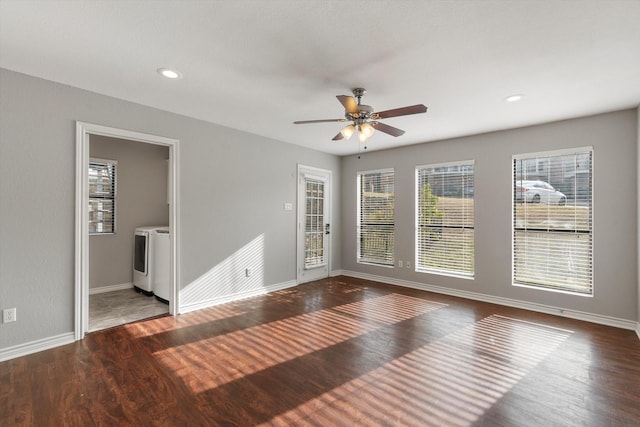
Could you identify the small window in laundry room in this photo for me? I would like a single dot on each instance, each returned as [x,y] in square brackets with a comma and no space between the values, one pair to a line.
[102,196]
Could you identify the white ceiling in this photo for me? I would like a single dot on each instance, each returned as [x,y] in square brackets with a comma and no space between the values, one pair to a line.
[259,65]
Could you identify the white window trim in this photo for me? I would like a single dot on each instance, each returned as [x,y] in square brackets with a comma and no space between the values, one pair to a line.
[447,164]
[559,152]
[418,269]
[358,259]
[99,160]
[115,194]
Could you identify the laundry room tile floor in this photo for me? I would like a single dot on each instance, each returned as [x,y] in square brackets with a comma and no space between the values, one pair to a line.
[119,307]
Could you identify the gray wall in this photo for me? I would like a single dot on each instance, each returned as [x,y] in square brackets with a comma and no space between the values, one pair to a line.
[141,199]
[233,185]
[614,139]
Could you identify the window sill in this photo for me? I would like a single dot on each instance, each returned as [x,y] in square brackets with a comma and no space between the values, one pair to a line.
[559,291]
[376,264]
[445,273]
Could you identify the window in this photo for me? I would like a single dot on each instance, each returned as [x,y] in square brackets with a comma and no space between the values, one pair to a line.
[444,219]
[102,196]
[376,218]
[552,221]
[314,229]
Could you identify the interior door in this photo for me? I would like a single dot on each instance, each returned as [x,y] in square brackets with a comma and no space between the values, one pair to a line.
[314,224]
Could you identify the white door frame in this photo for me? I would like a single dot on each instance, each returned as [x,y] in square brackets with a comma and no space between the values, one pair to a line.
[310,171]
[83,131]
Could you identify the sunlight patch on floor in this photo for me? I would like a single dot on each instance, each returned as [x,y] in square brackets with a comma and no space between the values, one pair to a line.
[389,309]
[170,323]
[451,381]
[212,362]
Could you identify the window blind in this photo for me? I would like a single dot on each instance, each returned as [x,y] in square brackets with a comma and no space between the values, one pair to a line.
[376,217]
[445,218]
[552,221]
[102,196]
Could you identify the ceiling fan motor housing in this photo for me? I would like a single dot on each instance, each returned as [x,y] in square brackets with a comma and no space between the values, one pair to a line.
[365,113]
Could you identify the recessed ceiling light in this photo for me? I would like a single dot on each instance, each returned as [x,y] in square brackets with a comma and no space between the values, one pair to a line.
[514,98]
[170,74]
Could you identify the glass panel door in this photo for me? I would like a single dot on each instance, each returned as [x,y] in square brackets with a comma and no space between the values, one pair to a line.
[314,224]
[314,232]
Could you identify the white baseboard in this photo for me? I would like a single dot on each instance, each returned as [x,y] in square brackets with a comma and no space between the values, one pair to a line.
[638,329]
[541,308]
[110,288]
[186,308]
[36,346]
[335,273]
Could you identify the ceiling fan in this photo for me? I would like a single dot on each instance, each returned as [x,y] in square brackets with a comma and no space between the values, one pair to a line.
[363,118]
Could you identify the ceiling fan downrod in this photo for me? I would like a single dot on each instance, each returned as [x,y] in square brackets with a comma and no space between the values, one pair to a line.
[358,93]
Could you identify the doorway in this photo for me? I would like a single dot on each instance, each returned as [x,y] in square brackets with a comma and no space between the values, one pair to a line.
[314,224]
[83,133]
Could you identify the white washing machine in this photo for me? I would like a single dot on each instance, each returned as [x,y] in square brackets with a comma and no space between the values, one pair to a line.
[144,258]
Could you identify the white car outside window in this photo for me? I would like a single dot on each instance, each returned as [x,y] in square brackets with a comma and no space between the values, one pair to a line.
[539,192]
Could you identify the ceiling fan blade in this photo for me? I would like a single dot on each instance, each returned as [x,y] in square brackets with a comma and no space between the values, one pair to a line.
[349,103]
[303,122]
[404,111]
[338,137]
[387,129]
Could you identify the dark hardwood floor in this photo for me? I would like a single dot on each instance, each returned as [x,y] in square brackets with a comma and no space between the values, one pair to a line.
[337,352]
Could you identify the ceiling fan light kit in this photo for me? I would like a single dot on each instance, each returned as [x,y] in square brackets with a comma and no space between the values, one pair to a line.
[363,118]
[348,131]
[365,131]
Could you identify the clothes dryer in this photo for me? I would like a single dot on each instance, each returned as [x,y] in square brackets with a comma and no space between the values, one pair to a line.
[143,261]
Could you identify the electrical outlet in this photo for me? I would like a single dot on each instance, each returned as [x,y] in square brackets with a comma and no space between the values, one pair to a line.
[247,272]
[8,315]
[400,263]
[408,264]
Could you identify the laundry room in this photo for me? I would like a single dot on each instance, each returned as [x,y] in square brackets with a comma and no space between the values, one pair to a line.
[128,231]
